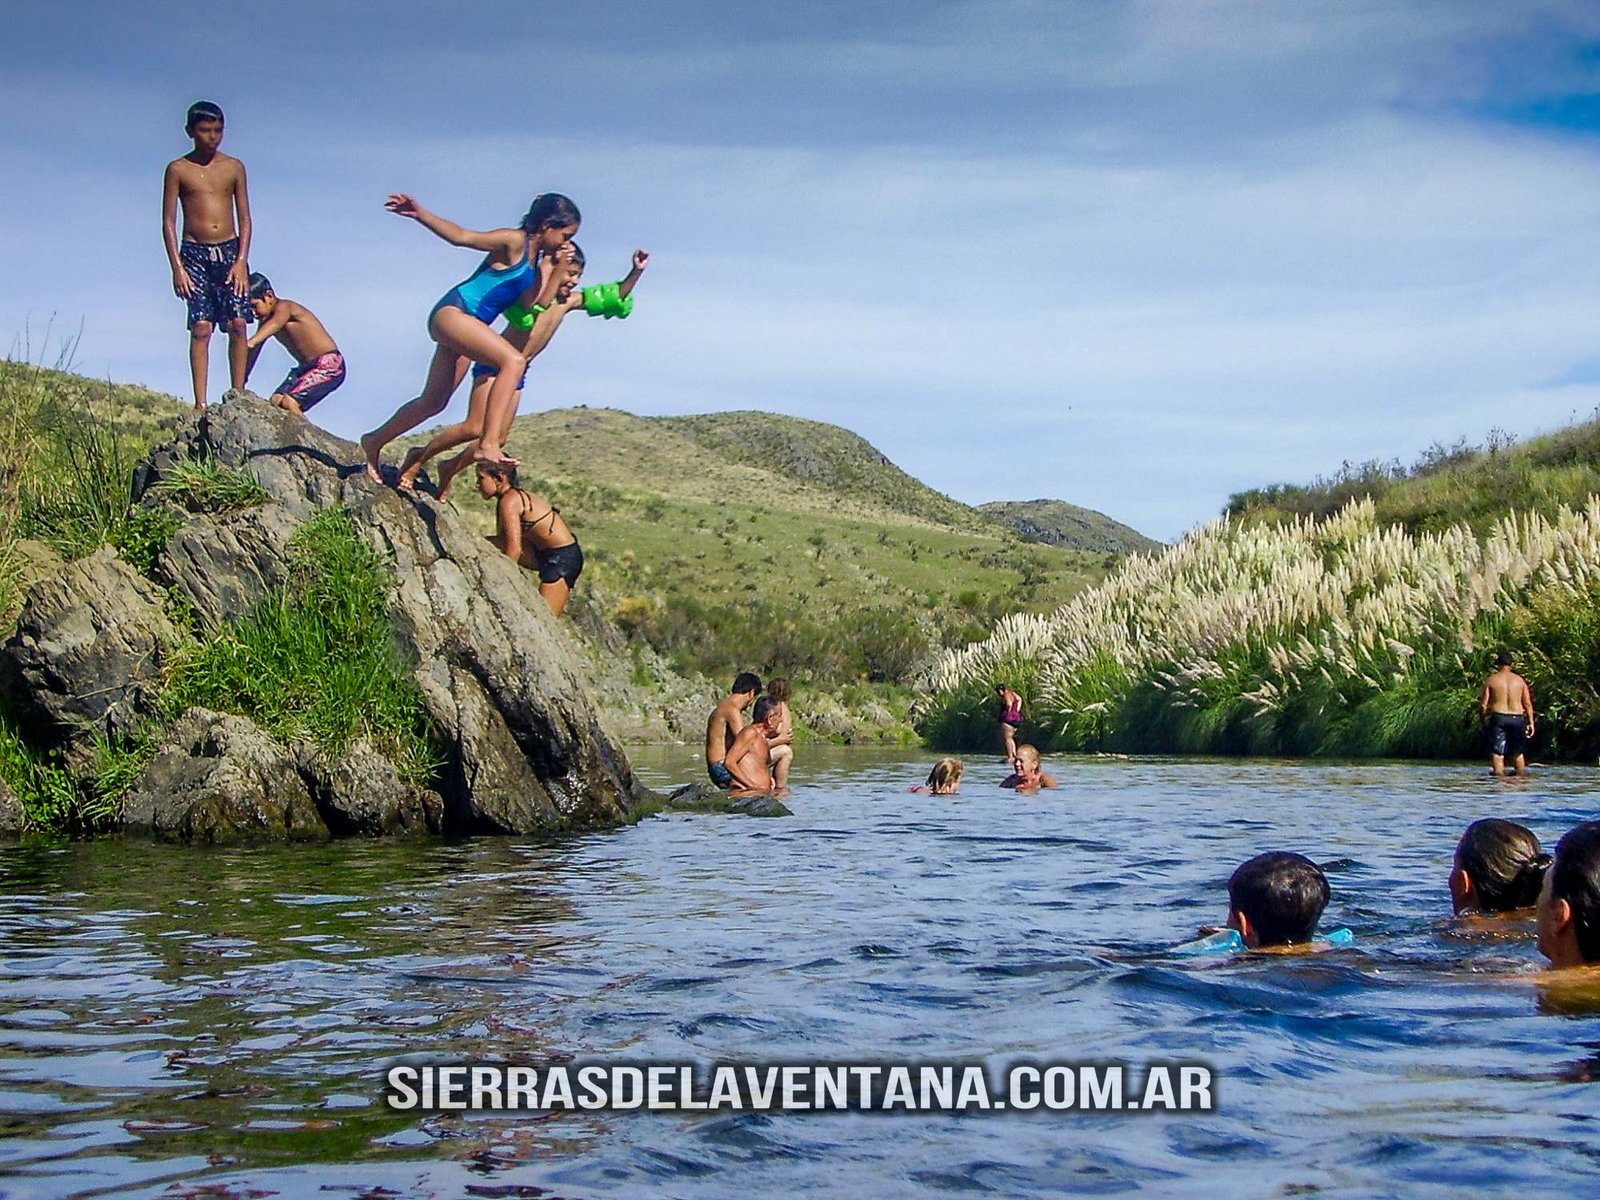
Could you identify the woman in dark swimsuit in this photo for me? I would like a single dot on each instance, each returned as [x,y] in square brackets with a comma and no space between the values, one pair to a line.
[530,531]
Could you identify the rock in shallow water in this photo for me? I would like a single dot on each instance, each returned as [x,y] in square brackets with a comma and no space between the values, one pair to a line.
[221,778]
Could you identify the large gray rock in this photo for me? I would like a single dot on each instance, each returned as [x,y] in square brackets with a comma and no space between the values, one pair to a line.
[224,564]
[86,655]
[361,793]
[499,676]
[221,778]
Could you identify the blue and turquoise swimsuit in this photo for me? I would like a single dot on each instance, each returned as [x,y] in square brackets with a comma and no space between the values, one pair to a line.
[489,291]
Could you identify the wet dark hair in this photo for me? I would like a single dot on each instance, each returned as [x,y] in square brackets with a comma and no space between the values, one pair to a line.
[1504,659]
[1282,894]
[1505,863]
[1575,878]
[550,211]
[778,689]
[578,260]
[201,110]
[260,285]
[765,707]
[747,682]
[500,470]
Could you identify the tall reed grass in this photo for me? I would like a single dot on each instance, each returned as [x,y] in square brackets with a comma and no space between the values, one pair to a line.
[1334,637]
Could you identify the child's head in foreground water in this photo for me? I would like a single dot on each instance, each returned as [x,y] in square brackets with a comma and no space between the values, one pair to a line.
[1569,904]
[1276,899]
[945,777]
[1499,867]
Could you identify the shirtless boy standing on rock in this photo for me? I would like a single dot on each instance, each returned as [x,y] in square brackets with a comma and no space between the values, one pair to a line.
[210,268]
[1508,704]
[724,726]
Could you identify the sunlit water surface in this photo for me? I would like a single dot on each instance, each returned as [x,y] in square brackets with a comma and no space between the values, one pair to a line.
[188,1022]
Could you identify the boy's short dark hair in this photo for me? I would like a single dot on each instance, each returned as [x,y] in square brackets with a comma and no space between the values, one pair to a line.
[201,110]
[1504,659]
[578,260]
[765,707]
[1575,878]
[260,285]
[746,682]
[1282,894]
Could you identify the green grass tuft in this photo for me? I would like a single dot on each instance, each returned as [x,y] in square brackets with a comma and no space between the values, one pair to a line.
[316,660]
[206,486]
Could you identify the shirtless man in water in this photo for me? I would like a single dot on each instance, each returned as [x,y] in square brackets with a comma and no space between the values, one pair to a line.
[724,726]
[749,760]
[1508,704]
[210,266]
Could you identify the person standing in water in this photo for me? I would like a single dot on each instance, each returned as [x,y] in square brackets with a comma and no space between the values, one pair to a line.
[1010,719]
[1507,704]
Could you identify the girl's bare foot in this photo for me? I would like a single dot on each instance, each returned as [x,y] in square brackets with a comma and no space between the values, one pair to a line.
[410,468]
[447,474]
[494,454]
[372,448]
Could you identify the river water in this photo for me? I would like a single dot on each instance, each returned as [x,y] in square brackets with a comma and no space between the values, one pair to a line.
[189,1022]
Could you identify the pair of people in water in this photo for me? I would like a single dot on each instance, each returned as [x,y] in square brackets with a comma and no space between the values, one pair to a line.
[751,759]
[1027,775]
[1276,899]
[1501,868]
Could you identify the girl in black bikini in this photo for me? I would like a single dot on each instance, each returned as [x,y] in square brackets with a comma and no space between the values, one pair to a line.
[529,529]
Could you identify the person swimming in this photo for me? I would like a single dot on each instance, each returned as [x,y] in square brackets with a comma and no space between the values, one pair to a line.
[1499,867]
[1276,899]
[1569,902]
[944,779]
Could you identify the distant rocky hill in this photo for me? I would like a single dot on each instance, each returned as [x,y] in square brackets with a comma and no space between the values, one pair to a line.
[1057,523]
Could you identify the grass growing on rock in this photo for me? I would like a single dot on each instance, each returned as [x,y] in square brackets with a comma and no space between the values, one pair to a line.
[316,660]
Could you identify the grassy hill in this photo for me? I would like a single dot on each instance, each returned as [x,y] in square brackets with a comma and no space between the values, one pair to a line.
[753,540]
[1463,483]
[1057,523]
[715,543]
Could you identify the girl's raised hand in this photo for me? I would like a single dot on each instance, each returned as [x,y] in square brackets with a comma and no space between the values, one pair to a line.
[641,259]
[402,205]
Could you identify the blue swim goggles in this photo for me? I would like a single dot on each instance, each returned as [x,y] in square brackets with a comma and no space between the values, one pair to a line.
[1231,941]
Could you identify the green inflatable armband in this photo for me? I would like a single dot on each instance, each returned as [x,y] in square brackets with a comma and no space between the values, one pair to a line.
[518,317]
[606,300]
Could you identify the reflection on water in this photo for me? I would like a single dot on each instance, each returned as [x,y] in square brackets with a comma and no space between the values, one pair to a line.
[178,1022]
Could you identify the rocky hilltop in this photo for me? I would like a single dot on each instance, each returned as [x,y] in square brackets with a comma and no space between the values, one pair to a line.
[519,745]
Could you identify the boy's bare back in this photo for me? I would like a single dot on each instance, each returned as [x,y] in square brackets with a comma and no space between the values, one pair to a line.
[303,335]
[205,193]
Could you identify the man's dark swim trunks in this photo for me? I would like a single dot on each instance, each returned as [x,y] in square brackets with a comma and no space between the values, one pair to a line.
[1508,734]
[213,299]
[564,562]
[720,775]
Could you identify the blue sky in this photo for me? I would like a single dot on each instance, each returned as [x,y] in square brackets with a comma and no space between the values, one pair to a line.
[1136,256]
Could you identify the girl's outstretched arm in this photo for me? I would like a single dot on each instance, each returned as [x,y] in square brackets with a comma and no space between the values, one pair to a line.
[507,241]
[641,260]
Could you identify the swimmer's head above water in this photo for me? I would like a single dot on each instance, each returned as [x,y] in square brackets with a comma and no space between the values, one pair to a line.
[945,778]
[1498,867]
[1276,899]
[1569,903]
